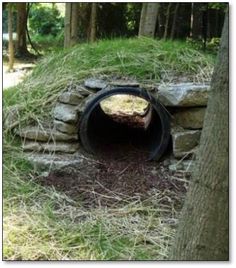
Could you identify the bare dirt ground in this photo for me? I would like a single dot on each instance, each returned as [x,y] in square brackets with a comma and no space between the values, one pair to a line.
[21,70]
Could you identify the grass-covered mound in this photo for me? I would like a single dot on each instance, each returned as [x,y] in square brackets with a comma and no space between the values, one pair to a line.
[145,59]
[42,223]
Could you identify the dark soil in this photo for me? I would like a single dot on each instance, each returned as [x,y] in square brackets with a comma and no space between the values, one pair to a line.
[110,183]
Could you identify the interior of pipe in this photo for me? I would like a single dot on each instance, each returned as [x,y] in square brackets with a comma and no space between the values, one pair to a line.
[122,132]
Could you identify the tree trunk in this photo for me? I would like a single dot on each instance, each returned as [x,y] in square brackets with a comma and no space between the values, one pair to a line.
[172,35]
[71,24]
[67,22]
[21,45]
[74,24]
[202,233]
[93,22]
[205,26]
[10,41]
[148,19]
[142,19]
[197,23]
[167,21]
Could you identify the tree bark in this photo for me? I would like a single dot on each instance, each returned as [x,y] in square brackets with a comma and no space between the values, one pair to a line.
[71,24]
[21,45]
[172,35]
[142,19]
[167,21]
[74,24]
[10,41]
[67,22]
[93,22]
[202,232]
[148,19]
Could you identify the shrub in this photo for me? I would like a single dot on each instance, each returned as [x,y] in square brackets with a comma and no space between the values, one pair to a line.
[44,20]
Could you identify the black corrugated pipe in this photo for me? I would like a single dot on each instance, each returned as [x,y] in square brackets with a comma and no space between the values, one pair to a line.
[98,131]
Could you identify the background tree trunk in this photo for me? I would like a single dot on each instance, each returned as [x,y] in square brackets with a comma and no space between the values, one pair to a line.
[67,25]
[148,19]
[167,21]
[172,35]
[93,22]
[10,41]
[71,24]
[197,25]
[142,19]
[74,23]
[21,46]
[203,228]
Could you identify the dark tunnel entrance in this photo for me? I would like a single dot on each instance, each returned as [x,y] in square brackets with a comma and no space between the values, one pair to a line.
[119,133]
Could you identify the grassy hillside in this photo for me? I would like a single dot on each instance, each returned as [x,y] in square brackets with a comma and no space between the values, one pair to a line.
[145,59]
[42,223]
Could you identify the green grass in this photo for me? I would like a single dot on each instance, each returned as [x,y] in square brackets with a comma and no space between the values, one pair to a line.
[41,223]
[147,60]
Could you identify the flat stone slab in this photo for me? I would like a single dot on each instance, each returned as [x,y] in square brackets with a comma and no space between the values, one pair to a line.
[185,142]
[48,162]
[82,91]
[95,83]
[51,147]
[124,83]
[46,134]
[65,128]
[70,98]
[66,113]
[190,118]
[184,94]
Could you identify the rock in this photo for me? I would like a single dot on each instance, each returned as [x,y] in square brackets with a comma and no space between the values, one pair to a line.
[191,118]
[46,134]
[50,147]
[124,83]
[53,161]
[66,113]
[94,83]
[82,91]
[70,98]
[185,94]
[64,127]
[11,117]
[185,142]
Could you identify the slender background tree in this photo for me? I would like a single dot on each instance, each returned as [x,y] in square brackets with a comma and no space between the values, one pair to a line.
[93,22]
[10,33]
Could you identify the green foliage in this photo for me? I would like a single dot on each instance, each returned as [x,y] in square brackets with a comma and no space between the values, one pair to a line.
[45,20]
[132,15]
[212,45]
[219,6]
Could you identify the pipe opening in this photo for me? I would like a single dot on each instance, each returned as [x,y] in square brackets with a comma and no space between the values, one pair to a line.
[124,124]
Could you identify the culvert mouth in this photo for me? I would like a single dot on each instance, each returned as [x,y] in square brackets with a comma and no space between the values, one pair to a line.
[118,134]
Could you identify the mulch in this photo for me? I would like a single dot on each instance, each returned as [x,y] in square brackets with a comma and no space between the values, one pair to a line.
[110,183]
